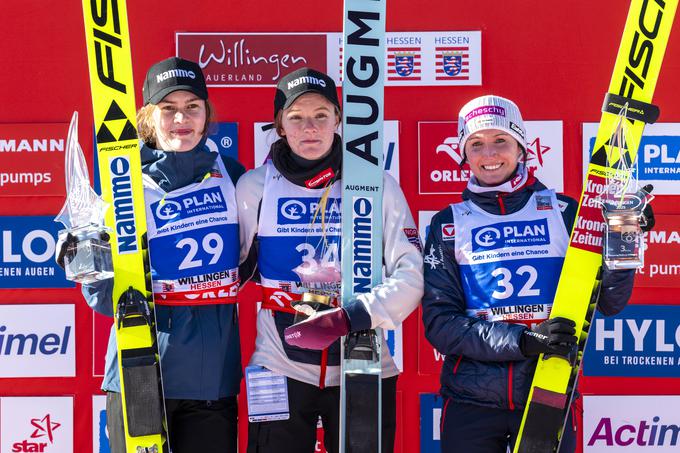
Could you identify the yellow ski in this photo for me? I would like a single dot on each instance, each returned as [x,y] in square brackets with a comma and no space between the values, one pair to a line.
[632,85]
[113,100]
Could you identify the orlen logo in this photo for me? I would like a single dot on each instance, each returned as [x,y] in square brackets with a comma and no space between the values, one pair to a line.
[440,158]
[123,208]
[302,210]
[196,203]
[511,234]
[641,433]
[43,431]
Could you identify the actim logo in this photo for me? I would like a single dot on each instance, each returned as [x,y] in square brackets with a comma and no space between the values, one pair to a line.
[643,434]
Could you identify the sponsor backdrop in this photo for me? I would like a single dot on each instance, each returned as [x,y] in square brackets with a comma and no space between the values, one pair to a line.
[631,423]
[438,57]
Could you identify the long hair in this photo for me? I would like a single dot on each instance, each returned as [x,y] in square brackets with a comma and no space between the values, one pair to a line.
[146,129]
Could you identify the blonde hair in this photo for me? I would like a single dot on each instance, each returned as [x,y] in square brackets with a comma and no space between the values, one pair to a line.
[146,129]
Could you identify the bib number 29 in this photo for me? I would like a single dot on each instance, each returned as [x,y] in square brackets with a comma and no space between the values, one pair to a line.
[211,245]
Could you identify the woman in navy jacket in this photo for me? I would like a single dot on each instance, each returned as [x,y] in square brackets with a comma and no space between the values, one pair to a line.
[492,263]
[197,323]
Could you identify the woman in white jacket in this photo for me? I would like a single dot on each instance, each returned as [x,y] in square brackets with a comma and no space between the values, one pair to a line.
[289,215]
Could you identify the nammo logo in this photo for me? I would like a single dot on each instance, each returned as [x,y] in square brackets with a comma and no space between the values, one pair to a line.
[123,205]
[43,429]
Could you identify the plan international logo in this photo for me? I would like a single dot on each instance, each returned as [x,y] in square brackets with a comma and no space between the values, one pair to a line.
[510,234]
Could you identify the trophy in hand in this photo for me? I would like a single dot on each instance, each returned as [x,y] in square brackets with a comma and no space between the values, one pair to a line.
[86,250]
[623,203]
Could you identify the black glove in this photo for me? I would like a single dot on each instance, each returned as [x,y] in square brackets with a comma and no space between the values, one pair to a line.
[63,247]
[69,245]
[552,336]
[647,213]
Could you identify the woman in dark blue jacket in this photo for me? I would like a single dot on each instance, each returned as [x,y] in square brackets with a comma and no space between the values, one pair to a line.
[194,266]
[492,263]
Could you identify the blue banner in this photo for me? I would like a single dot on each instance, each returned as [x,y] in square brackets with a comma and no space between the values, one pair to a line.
[430,418]
[641,341]
[224,139]
[28,245]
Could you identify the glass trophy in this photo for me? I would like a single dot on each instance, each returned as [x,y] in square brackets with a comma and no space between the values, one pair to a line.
[623,204]
[319,272]
[87,257]
[623,236]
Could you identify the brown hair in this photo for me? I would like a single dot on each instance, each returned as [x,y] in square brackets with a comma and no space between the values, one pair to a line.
[147,131]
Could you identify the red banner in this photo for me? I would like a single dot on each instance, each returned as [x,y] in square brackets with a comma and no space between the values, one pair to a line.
[662,254]
[32,159]
[439,159]
[250,59]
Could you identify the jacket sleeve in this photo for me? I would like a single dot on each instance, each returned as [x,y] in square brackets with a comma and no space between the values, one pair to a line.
[248,197]
[447,326]
[617,286]
[98,296]
[389,303]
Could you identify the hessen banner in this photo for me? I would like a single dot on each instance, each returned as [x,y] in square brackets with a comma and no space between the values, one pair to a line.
[658,160]
[439,156]
[631,423]
[28,245]
[641,341]
[32,159]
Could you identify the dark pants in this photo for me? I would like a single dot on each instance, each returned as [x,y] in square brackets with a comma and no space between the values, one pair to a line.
[468,428]
[205,426]
[307,403]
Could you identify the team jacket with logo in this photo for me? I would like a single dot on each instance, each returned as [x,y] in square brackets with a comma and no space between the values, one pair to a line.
[491,269]
[198,344]
[281,241]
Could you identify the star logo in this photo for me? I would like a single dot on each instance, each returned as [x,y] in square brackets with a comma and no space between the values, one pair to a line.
[44,427]
[536,151]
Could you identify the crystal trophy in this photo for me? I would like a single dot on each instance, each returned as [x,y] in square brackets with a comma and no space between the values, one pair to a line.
[623,204]
[87,257]
[319,274]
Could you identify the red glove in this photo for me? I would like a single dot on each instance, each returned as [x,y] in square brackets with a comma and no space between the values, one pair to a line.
[318,331]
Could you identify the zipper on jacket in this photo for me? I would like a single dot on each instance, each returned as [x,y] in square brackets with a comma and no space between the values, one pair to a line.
[501,204]
[455,367]
[511,405]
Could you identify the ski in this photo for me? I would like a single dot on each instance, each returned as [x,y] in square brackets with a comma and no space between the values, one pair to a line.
[113,101]
[362,191]
[627,106]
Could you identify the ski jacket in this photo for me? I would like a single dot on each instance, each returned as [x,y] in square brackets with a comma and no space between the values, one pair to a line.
[270,260]
[483,363]
[198,344]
